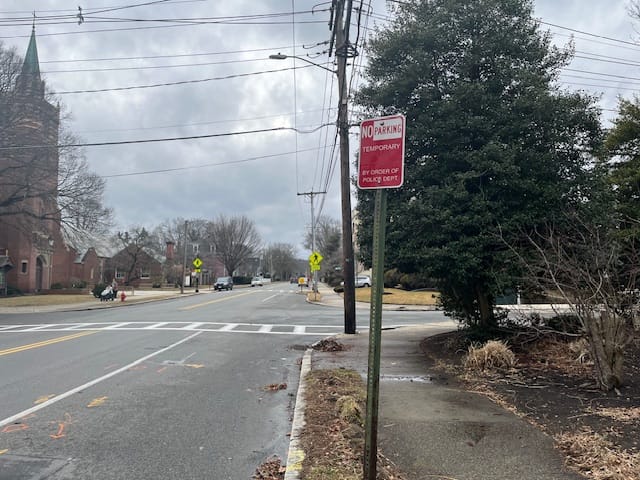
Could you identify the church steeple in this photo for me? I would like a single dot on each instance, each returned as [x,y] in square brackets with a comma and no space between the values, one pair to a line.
[31,64]
[29,81]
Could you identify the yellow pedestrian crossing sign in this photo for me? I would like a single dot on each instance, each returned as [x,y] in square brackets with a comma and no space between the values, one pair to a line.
[197,263]
[314,259]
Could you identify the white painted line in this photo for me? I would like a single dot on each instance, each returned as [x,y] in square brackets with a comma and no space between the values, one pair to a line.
[81,325]
[117,325]
[68,393]
[269,298]
[265,328]
[299,329]
[41,327]
[228,327]
[192,326]
[7,327]
[155,325]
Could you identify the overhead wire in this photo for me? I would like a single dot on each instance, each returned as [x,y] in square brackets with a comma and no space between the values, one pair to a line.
[206,165]
[181,82]
[157,140]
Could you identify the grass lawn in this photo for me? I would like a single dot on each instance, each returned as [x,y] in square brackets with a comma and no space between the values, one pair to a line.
[42,300]
[396,296]
[59,299]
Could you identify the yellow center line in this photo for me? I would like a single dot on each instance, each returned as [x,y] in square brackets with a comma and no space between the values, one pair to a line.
[44,343]
[190,307]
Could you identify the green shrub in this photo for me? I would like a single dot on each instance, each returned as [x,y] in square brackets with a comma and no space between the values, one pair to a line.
[242,280]
[156,285]
[14,291]
[78,284]
[57,286]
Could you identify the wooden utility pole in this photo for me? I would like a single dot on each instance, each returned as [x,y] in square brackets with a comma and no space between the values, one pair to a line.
[184,259]
[343,51]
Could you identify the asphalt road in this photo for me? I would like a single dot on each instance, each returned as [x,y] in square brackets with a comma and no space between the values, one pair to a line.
[175,389]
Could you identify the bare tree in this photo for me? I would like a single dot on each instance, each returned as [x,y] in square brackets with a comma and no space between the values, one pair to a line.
[280,258]
[236,239]
[329,244]
[583,262]
[134,256]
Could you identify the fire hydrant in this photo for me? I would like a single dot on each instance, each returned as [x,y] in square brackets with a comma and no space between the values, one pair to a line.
[122,296]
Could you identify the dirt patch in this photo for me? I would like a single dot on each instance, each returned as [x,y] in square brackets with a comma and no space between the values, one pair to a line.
[333,436]
[551,385]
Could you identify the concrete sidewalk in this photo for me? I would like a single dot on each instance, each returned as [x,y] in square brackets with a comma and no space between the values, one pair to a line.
[430,427]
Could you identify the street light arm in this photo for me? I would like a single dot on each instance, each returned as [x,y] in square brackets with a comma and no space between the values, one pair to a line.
[282,56]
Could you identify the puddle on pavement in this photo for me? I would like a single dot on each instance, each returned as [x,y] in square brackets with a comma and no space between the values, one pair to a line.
[406,378]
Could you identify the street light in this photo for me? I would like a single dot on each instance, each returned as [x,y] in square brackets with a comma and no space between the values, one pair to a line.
[348,268]
[282,56]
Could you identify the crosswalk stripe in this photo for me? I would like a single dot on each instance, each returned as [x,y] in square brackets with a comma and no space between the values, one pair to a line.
[228,327]
[268,329]
[155,325]
[193,326]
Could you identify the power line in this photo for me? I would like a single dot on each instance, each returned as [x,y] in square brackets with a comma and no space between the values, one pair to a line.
[157,140]
[196,124]
[175,55]
[205,165]
[181,82]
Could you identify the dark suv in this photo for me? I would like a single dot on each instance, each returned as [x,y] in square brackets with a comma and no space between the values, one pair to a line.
[223,283]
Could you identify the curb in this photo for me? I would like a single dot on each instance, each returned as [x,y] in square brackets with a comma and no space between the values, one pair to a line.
[296,455]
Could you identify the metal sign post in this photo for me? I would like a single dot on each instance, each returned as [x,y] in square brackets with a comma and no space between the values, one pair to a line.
[380,166]
[375,336]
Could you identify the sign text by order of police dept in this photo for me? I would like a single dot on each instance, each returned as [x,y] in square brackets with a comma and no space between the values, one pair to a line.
[381,161]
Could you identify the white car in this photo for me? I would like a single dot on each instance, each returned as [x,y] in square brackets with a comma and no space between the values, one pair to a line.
[361,281]
[256,282]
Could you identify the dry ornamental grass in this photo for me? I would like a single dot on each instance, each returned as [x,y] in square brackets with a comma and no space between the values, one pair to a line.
[493,355]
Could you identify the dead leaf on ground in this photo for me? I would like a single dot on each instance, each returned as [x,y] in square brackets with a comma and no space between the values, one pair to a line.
[271,469]
[328,345]
[274,387]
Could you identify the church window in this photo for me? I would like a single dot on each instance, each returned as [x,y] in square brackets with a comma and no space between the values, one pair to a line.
[24,266]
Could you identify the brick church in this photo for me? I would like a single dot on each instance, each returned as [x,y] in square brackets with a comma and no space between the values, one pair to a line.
[33,253]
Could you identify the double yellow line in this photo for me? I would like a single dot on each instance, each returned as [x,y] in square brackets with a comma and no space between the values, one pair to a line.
[44,343]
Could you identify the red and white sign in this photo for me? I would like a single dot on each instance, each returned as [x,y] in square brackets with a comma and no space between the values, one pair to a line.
[381,162]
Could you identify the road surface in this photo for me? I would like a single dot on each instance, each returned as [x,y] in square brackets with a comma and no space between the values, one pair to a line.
[200,387]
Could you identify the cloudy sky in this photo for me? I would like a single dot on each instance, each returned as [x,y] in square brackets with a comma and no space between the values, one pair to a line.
[205,69]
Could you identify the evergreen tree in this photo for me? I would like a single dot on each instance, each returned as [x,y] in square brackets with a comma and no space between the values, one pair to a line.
[492,145]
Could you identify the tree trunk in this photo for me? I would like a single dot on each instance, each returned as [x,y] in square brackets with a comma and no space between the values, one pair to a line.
[606,335]
[487,318]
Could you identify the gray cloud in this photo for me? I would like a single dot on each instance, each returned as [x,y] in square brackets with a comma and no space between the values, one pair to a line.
[265,190]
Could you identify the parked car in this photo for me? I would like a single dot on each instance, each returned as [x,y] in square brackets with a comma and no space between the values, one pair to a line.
[223,283]
[256,282]
[361,281]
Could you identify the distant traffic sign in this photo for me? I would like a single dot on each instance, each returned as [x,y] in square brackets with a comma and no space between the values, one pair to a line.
[381,159]
[197,263]
[315,258]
